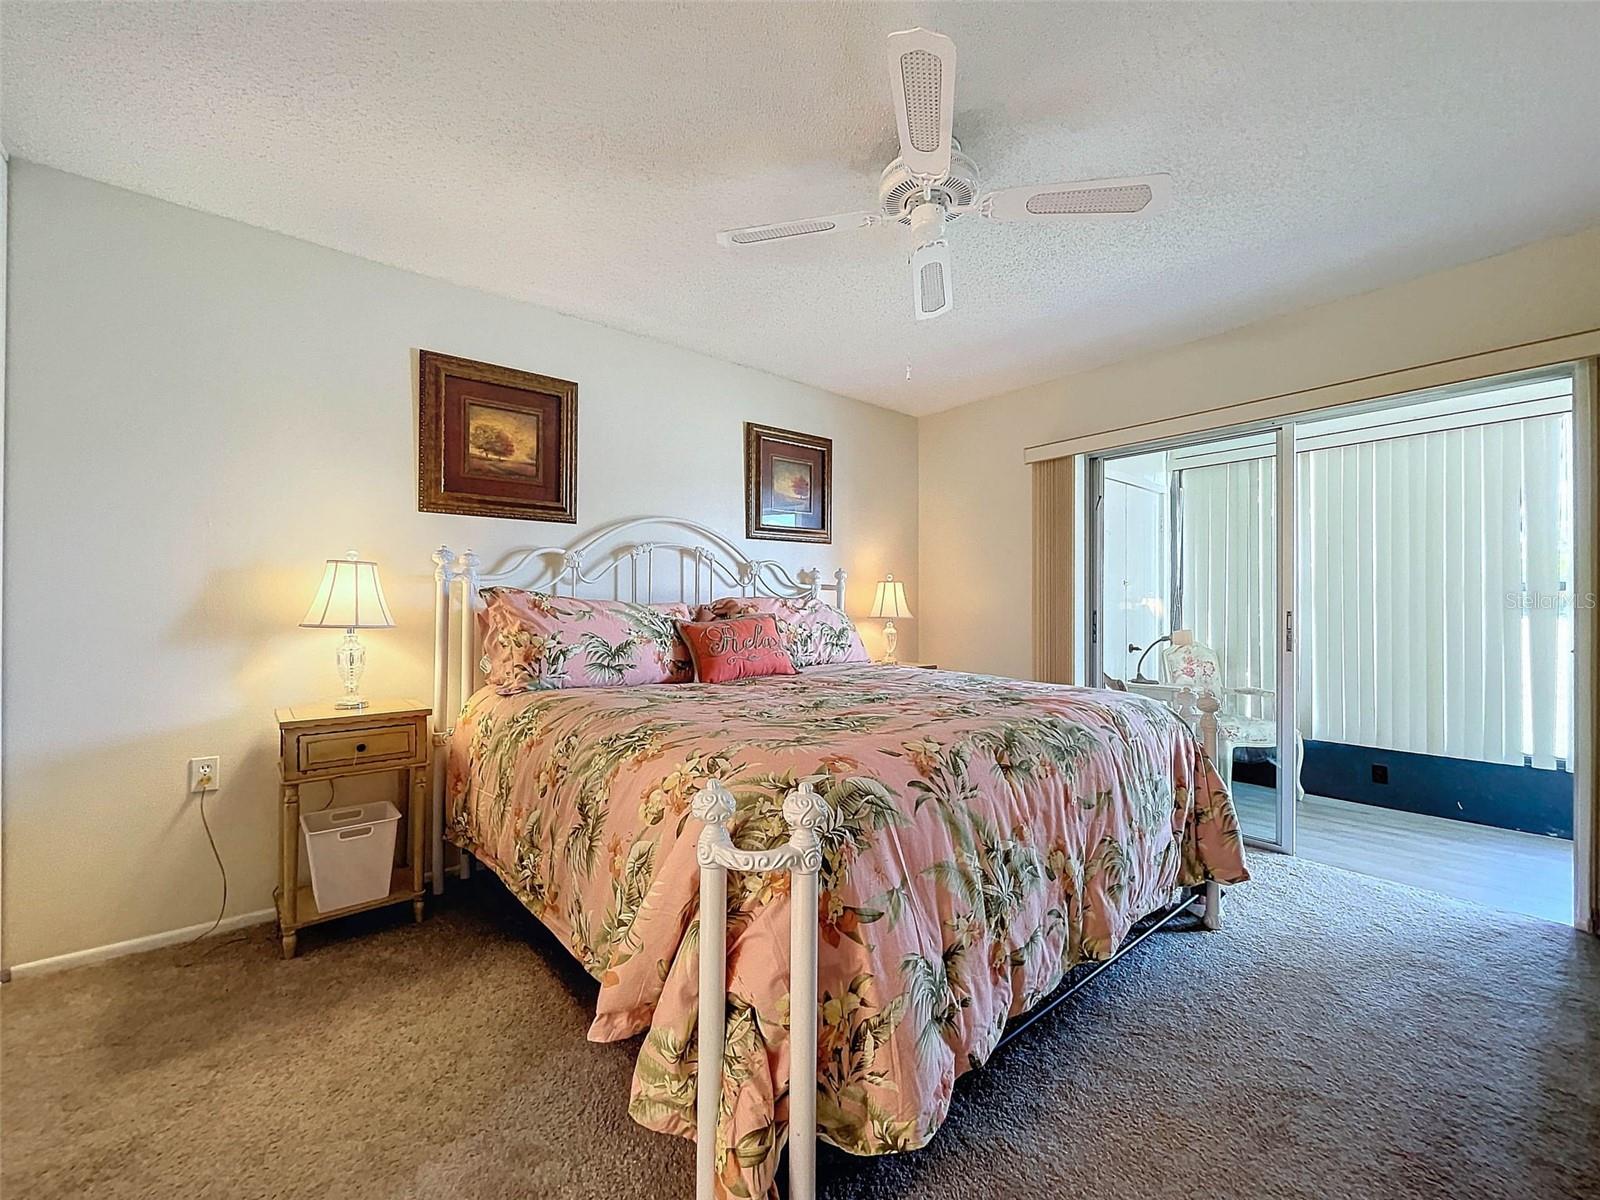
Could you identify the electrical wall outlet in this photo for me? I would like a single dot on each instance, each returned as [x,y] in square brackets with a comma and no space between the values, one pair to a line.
[205,774]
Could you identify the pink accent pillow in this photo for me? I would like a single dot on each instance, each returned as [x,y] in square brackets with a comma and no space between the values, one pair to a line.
[738,648]
[813,631]
[533,641]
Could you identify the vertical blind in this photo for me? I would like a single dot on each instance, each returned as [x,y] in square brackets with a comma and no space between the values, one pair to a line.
[1228,517]
[1435,587]
[1434,572]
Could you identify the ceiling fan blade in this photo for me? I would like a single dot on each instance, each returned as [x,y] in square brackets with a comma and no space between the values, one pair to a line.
[1136,196]
[784,231]
[922,72]
[930,280]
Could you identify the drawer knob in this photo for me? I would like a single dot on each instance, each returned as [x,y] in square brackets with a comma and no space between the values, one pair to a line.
[361,747]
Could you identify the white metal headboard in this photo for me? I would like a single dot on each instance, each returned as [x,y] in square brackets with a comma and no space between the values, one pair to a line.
[688,563]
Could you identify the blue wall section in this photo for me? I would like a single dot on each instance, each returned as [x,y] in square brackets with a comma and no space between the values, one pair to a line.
[1522,798]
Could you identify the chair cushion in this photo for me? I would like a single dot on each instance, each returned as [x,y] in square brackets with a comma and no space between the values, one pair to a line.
[1247,731]
[1193,666]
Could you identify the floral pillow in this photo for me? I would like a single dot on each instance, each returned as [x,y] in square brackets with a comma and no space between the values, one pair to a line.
[813,631]
[533,641]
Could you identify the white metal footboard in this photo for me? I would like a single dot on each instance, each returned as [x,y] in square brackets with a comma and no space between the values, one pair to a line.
[807,816]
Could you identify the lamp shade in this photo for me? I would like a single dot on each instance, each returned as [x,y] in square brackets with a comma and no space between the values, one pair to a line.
[890,600]
[350,597]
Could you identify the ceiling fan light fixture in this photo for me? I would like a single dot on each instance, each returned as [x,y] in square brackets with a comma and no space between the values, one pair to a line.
[930,280]
[927,224]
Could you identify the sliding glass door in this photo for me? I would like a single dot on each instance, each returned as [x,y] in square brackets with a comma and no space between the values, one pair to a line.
[1192,549]
[1411,568]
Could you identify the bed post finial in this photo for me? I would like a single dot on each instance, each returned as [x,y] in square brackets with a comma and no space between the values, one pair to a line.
[839,577]
[714,805]
[807,815]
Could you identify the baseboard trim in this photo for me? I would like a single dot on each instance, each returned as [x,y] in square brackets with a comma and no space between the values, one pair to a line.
[154,941]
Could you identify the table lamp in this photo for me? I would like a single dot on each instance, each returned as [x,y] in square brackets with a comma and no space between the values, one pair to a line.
[350,598]
[1178,637]
[888,603]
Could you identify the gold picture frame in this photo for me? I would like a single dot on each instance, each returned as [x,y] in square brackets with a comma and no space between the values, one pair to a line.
[494,441]
[788,485]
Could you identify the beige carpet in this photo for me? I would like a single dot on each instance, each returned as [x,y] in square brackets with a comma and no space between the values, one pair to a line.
[1341,1038]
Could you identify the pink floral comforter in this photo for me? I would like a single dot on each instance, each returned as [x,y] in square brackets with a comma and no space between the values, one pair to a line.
[993,834]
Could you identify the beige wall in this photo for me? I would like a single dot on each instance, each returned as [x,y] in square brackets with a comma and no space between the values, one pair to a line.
[200,412]
[5,208]
[974,523]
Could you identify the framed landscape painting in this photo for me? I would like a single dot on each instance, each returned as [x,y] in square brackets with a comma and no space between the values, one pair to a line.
[788,481]
[495,442]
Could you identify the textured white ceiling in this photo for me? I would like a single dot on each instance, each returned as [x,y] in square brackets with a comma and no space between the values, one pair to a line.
[583,156]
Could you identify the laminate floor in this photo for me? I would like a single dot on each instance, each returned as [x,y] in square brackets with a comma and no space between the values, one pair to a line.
[1498,868]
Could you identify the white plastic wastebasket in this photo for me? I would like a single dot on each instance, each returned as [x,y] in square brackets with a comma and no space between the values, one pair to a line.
[352,853]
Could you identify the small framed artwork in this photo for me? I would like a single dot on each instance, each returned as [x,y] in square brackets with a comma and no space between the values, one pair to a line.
[788,485]
[495,442]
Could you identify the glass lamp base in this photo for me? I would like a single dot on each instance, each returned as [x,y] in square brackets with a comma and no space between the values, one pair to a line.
[352,661]
[890,638]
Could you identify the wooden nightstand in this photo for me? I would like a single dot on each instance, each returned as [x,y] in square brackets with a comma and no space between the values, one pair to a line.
[321,743]
[921,666]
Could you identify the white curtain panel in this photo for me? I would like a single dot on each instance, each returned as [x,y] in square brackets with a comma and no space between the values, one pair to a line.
[1435,588]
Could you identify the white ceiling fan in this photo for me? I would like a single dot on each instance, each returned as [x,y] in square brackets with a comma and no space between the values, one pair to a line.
[932,182]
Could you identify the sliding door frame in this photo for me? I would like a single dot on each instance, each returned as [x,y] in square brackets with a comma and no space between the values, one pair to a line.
[1586,643]
[1288,700]
[1286,502]
[1093,566]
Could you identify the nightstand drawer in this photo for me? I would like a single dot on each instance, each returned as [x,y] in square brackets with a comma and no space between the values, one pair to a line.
[343,748]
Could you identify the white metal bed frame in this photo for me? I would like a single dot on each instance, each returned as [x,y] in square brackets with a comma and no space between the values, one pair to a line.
[614,563]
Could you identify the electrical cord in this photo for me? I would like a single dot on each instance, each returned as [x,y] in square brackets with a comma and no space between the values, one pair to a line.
[333,794]
[222,870]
